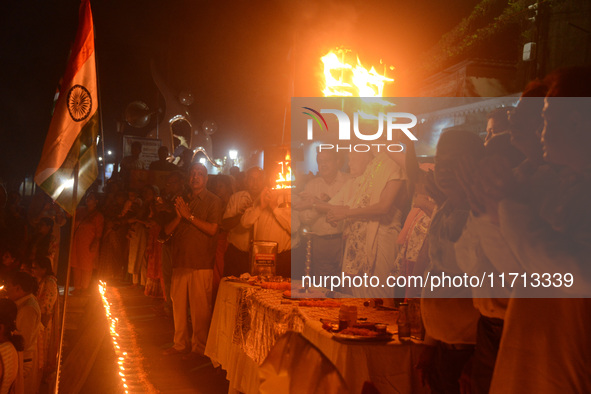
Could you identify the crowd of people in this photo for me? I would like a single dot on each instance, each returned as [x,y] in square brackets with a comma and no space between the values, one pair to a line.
[514,202]
[170,242]
[29,244]
[511,203]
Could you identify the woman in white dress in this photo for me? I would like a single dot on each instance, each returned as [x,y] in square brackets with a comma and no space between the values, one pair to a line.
[373,220]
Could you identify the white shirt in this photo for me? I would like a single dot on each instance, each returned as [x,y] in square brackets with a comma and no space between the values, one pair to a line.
[316,187]
[28,323]
[546,346]
[239,236]
[271,225]
[448,313]
[475,256]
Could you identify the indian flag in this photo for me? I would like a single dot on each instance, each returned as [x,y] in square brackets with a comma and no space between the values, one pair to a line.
[72,137]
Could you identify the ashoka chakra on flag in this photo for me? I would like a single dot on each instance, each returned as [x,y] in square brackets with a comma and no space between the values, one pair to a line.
[79,103]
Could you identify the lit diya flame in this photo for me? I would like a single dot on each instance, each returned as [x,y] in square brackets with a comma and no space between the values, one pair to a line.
[122,358]
[342,79]
[129,360]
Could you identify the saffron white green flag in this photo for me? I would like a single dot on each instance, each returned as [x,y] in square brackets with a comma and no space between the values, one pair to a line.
[73,131]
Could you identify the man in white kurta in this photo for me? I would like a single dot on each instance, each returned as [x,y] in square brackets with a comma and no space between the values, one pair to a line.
[271,220]
[326,238]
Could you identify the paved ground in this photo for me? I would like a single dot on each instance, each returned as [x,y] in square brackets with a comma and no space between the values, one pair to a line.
[153,333]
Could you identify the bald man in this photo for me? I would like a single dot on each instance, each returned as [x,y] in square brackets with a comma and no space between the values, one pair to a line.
[193,245]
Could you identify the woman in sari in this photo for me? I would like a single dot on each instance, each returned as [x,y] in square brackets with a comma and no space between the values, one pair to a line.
[413,257]
[153,255]
[85,249]
[139,217]
[113,253]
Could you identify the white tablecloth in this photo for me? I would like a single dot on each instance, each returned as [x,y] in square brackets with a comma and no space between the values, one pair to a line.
[247,322]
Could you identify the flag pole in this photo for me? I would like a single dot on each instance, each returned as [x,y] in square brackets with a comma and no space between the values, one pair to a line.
[100,109]
[68,275]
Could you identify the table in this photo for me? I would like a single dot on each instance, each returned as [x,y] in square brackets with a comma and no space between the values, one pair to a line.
[247,321]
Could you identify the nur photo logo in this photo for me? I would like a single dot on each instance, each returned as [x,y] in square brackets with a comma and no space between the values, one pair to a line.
[387,124]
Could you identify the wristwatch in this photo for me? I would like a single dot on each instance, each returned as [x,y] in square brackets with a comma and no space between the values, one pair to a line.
[191,218]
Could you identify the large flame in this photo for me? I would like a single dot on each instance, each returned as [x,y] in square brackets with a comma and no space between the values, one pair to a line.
[284,176]
[342,79]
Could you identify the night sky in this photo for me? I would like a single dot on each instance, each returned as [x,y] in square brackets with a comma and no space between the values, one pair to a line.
[239,59]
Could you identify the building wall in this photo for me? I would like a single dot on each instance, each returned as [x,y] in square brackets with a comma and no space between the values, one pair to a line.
[565,35]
